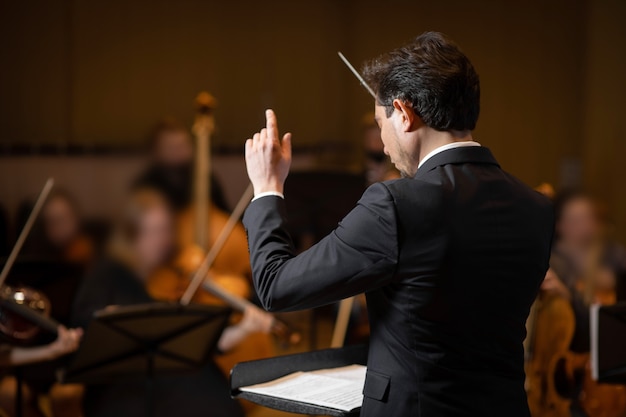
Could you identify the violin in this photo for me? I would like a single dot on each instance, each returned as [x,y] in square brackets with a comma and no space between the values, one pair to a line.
[23,313]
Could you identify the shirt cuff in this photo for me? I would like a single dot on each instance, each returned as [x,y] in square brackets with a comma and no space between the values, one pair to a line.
[269,193]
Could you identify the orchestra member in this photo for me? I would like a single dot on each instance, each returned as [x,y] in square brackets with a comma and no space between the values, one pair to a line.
[450,257]
[66,342]
[59,233]
[61,244]
[143,243]
[588,268]
[171,152]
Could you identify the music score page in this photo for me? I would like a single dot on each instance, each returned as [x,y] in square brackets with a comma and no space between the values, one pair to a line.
[339,388]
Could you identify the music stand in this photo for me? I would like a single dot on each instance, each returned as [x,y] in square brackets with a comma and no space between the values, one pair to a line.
[142,340]
[608,343]
[264,370]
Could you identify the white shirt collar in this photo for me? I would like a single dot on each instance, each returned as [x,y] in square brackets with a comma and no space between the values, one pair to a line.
[445,148]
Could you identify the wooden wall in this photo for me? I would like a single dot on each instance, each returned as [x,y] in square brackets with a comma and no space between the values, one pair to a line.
[100,72]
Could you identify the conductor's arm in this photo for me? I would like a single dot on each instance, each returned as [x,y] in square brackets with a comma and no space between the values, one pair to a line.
[360,255]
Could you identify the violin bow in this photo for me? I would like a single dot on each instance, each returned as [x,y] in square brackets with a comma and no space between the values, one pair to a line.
[200,275]
[26,229]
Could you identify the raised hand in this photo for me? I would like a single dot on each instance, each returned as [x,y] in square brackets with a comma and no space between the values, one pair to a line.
[268,158]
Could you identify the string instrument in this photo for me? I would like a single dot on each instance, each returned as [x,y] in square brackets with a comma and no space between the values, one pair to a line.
[598,399]
[548,364]
[24,311]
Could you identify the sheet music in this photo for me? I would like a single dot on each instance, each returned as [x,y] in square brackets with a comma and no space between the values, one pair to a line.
[339,388]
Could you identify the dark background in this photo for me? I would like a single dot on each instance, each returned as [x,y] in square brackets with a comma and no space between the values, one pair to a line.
[89,75]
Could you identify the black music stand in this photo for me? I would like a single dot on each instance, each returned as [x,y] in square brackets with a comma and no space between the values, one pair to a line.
[143,340]
[608,343]
[264,370]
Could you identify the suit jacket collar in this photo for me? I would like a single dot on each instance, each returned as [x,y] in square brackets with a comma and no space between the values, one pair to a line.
[462,155]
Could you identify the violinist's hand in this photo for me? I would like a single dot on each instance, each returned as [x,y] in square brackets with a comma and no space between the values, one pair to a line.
[66,342]
[256,320]
[267,158]
[553,285]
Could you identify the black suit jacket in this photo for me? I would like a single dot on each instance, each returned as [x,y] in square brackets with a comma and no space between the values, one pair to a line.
[450,262]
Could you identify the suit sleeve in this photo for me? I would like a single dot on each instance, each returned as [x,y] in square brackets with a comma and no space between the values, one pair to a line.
[359,255]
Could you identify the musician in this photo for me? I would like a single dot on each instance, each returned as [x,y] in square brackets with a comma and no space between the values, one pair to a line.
[587,268]
[171,150]
[59,233]
[586,263]
[450,257]
[66,342]
[143,243]
[60,241]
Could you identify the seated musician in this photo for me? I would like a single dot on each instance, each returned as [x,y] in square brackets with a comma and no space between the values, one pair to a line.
[142,244]
[66,342]
[171,153]
[59,232]
[58,240]
[171,172]
[586,268]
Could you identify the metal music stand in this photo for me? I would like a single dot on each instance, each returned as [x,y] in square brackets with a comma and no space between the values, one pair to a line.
[142,340]
[608,343]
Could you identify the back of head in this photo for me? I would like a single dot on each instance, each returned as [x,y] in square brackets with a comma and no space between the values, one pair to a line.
[434,77]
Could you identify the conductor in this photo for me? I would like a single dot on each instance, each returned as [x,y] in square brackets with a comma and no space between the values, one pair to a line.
[450,257]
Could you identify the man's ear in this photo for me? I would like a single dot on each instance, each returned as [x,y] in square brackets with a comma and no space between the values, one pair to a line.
[407,117]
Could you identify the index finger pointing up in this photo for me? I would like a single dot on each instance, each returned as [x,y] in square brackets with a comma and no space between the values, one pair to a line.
[272,125]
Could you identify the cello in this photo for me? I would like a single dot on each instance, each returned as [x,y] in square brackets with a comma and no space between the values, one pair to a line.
[548,362]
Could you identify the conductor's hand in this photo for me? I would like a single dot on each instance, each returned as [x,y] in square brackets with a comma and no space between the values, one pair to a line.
[268,158]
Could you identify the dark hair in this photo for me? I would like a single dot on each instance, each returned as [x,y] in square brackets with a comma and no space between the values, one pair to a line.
[163,126]
[567,196]
[434,76]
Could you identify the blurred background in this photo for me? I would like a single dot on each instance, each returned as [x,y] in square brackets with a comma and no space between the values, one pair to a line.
[100,95]
[82,82]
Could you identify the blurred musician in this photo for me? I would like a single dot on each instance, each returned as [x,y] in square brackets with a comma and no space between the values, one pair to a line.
[144,242]
[171,172]
[171,168]
[588,265]
[59,233]
[588,268]
[66,342]
[56,256]
[62,403]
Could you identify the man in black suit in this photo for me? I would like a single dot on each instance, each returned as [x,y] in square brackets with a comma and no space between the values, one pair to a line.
[450,257]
